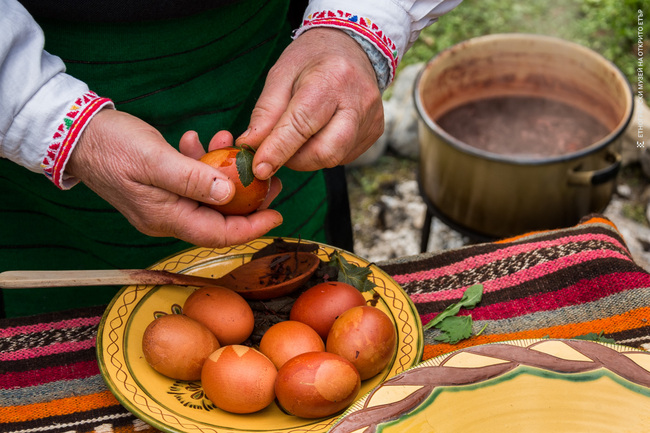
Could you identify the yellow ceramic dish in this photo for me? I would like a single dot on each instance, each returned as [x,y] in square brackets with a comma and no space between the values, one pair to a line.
[559,386]
[178,406]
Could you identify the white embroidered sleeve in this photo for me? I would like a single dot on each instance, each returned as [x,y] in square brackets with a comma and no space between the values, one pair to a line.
[42,109]
[391,26]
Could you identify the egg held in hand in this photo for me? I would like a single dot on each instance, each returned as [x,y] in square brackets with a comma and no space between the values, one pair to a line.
[222,311]
[239,379]
[177,346]
[236,163]
[366,337]
[316,384]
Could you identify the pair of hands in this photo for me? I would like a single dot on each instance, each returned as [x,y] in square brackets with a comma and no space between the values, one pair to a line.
[320,107]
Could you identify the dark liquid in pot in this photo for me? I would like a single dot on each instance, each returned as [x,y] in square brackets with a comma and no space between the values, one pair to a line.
[522,126]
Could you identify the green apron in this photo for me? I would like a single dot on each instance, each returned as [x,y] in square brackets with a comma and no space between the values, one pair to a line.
[201,72]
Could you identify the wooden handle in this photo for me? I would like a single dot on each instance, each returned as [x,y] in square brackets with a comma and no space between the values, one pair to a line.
[108,277]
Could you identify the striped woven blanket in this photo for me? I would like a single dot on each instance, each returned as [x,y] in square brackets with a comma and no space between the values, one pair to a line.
[560,284]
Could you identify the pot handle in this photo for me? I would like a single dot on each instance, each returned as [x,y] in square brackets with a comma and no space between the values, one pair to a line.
[597,177]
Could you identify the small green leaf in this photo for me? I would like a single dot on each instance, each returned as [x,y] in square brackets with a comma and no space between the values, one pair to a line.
[244,161]
[471,297]
[454,329]
[450,311]
[592,336]
[352,274]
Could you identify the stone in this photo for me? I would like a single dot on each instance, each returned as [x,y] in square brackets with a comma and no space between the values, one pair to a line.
[400,121]
[403,117]
[624,190]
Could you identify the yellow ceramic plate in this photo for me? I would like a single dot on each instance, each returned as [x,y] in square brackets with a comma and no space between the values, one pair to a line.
[178,406]
[558,386]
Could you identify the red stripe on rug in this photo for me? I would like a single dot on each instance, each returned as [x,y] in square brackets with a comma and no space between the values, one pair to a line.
[22,379]
[579,293]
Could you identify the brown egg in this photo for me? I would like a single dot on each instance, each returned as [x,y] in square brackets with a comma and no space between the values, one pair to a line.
[247,198]
[223,311]
[177,346]
[316,384]
[321,304]
[239,379]
[366,337]
[287,339]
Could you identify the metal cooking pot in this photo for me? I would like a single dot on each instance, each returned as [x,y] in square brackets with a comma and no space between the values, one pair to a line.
[492,195]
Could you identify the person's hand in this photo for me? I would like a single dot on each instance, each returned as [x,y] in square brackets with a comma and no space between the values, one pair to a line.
[129,164]
[320,107]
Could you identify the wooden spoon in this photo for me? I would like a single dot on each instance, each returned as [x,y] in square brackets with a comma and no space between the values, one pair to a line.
[271,276]
[105,277]
[253,280]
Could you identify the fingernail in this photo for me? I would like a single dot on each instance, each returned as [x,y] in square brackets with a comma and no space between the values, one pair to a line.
[220,190]
[245,134]
[263,170]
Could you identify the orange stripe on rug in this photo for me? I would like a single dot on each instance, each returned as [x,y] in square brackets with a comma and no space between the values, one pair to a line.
[630,320]
[593,220]
[62,406]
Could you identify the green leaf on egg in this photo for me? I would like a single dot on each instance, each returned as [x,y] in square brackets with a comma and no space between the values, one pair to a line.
[244,161]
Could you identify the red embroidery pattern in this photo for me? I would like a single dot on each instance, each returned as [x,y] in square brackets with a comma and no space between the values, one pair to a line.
[360,25]
[67,134]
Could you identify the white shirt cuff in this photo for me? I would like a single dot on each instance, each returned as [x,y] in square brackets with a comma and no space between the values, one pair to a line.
[391,26]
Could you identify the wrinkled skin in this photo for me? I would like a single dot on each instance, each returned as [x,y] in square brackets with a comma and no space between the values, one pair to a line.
[320,107]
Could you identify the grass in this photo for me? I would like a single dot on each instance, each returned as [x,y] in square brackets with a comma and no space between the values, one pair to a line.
[367,183]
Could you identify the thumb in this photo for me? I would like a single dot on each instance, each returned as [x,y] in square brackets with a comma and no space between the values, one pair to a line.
[188,177]
[303,117]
